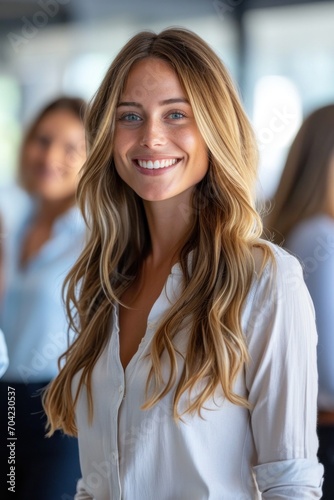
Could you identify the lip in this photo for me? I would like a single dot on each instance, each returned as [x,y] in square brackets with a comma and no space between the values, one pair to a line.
[155,171]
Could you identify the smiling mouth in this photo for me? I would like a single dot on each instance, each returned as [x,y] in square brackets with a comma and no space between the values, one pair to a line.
[156,164]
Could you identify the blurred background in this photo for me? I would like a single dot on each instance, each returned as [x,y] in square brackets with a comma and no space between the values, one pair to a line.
[280,54]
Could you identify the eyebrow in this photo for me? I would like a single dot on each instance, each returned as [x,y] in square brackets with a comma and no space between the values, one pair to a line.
[161,103]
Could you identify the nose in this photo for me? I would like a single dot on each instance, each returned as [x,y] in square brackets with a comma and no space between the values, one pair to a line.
[53,155]
[153,133]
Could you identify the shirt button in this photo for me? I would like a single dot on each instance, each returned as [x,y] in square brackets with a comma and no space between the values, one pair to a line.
[121,389]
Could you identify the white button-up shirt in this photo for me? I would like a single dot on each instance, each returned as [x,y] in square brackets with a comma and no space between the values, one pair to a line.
[231,453]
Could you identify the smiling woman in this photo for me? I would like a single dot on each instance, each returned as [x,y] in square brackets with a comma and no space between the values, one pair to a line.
[183,342]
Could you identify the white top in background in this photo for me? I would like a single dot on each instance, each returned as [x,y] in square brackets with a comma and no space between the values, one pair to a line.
[32,314]
[313,242]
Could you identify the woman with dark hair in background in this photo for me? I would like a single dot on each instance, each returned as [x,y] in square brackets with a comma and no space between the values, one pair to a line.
[38,251]
[181,382]
[302,216]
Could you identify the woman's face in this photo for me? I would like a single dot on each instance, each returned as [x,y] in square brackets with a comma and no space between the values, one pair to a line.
[158,149]
[53,156]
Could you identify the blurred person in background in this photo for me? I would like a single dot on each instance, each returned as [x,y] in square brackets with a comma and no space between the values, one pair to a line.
[302,216]
[38,250]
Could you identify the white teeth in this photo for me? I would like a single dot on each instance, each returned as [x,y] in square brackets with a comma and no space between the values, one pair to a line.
[157,163]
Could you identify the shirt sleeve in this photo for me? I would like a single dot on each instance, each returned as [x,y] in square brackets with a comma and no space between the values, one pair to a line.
[81,493]
[282,382]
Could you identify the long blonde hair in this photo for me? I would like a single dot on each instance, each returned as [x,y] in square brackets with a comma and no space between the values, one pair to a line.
[303,187]
[226,228]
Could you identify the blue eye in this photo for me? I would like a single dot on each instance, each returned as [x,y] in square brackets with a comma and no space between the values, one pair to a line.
[130,117]
[176,115]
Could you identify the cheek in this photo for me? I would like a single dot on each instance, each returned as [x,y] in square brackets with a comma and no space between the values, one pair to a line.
[117,163]
[30,156]
[121,172]
[200,153]
[122,148]
[72,173]
[123,140]
[75,163]
[192,142]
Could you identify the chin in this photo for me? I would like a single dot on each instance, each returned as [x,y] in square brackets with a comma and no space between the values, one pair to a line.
[155,197]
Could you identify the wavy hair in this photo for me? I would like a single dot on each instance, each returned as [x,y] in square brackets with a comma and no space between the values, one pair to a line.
[226,228]
[303,188]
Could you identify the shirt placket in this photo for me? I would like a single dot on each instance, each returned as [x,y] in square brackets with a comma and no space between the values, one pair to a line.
[118,381]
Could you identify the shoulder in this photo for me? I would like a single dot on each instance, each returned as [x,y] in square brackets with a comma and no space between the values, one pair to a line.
[278,302]
[319,223]
[278,274]
[14,218]
[72,227]
[15,206]
[310,233]
[271,259]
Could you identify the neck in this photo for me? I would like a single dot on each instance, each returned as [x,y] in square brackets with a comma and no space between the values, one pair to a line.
[169,225]
[49,210]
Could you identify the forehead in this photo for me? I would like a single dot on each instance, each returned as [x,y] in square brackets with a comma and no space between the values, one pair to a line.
[54,117]
[150,76]
[60,124]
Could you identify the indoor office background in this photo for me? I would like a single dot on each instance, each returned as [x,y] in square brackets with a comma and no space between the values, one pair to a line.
[280,54]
